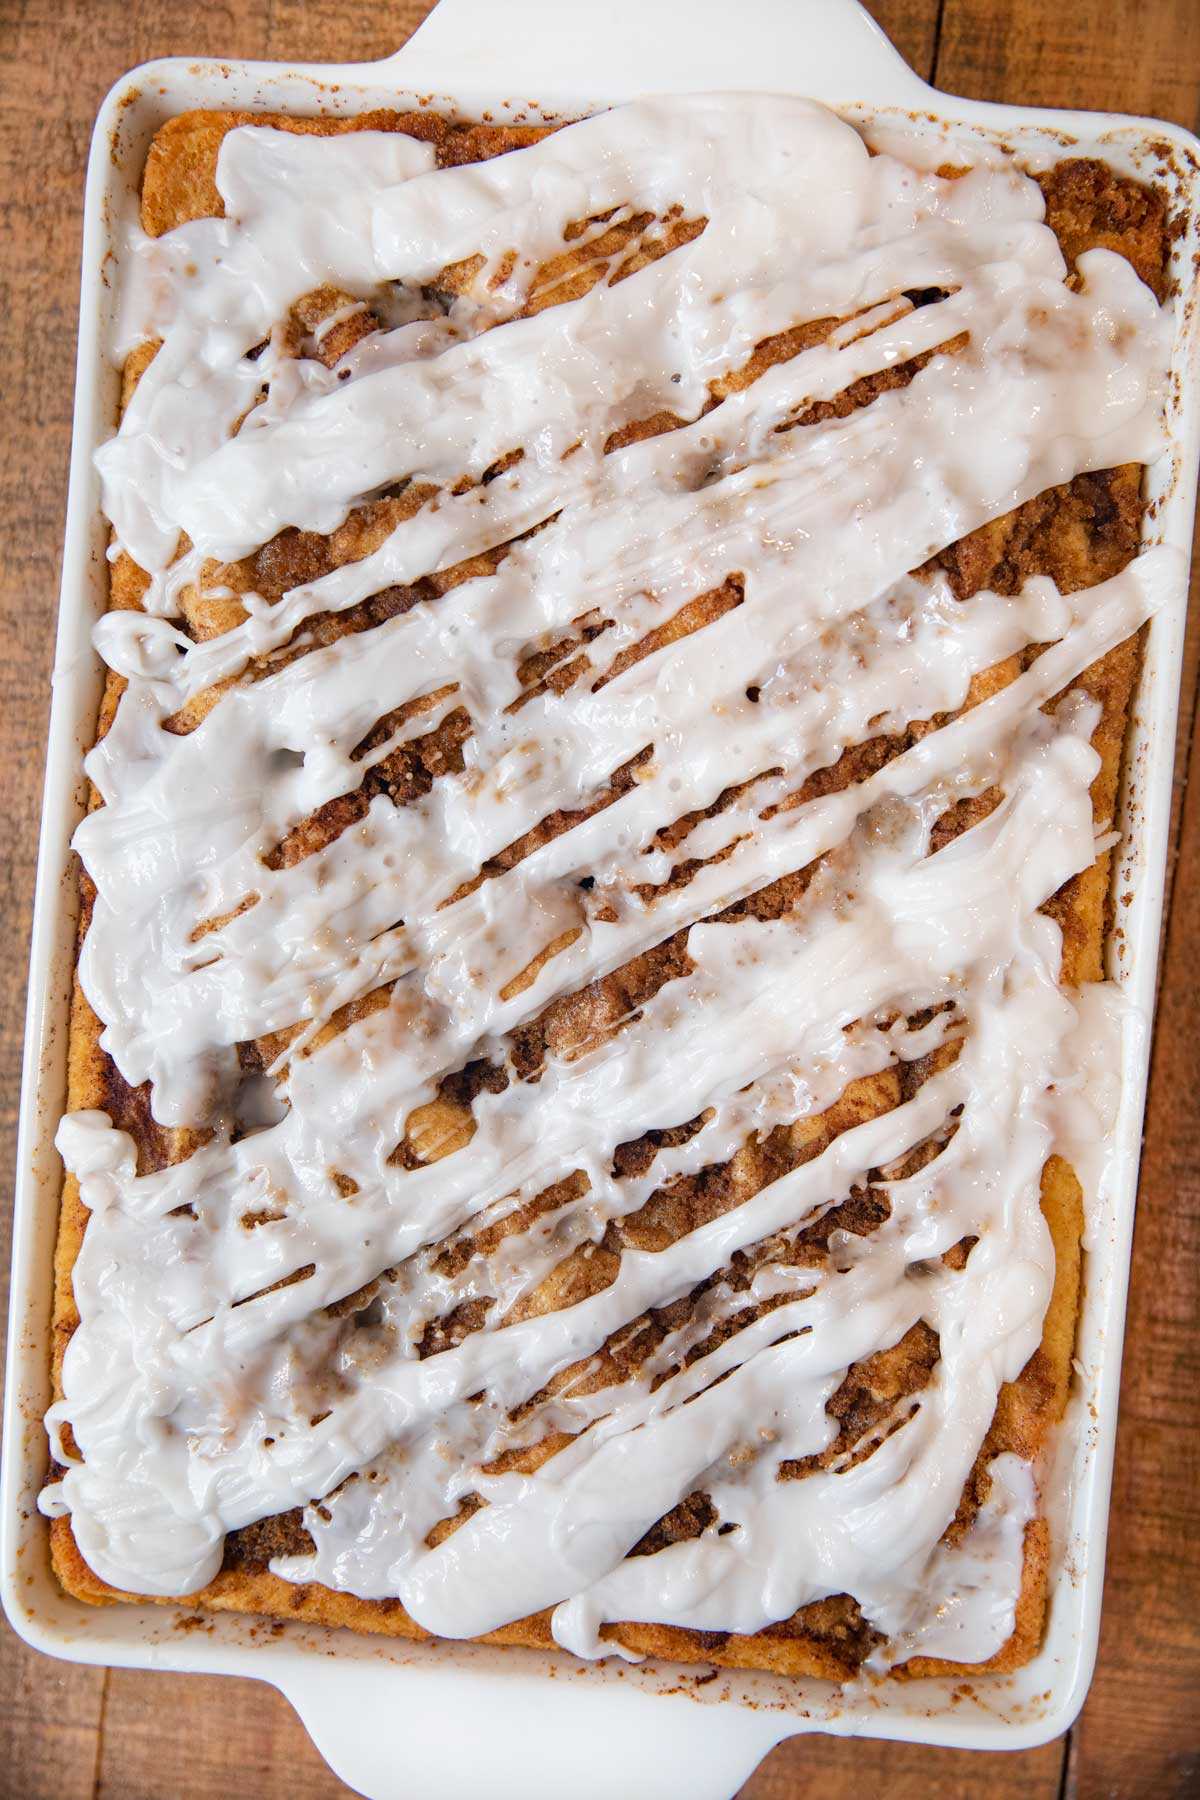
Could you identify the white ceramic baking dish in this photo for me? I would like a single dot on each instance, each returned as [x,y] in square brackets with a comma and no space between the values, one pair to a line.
[415,1721]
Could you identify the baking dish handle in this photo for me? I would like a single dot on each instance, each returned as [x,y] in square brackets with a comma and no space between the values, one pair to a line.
[830,49]
[395,1740]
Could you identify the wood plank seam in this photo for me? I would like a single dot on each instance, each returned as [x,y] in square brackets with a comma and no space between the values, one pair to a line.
[98,1763]
[937,42]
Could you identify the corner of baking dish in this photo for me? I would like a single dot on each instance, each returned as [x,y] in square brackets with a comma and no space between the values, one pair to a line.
[666,1729]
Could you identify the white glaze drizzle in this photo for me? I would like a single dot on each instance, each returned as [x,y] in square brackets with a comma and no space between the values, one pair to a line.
[968,1609]
[199,1402]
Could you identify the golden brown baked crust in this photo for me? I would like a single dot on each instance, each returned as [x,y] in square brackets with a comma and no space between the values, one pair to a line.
[1080,534]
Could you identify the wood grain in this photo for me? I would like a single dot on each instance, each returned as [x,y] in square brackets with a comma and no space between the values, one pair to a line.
[1130,56]
[69,1733]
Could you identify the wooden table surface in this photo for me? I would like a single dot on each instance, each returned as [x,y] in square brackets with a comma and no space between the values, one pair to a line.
[70,1733]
